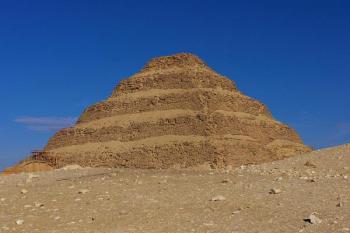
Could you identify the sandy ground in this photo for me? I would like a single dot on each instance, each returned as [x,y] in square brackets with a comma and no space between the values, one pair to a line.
[239,200]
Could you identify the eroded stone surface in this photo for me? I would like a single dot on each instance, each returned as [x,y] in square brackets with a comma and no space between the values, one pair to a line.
[176,112]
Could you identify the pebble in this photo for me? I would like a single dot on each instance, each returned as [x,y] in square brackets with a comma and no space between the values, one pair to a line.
[226,181]
[310,164]
[24,191]
[218,198]
[345,229]
[275,191]
[279,178]
[38,204]
[19,221]
[313,219]
[340,204]
[2,199]
[83,191]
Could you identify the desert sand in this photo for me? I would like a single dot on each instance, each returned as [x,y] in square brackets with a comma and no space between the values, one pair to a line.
[305,193]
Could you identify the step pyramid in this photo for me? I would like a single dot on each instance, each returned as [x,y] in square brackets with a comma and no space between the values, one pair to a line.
[175,112]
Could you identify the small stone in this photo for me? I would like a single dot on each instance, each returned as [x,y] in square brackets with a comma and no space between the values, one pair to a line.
[340,204]
[2,199]
[24,191]
[310,164]
[236,212]
[19,221]
[345,177]
[38,204]
[218,198]
[345,229]
[27,206]
[83,191]
[275,191]
[279,178]
[226,181]
[313,219]
[57,217]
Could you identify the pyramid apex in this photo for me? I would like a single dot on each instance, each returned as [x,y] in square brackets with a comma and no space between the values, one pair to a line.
[176,60]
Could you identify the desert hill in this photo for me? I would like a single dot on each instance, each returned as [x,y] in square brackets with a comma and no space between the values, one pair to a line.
[175,112]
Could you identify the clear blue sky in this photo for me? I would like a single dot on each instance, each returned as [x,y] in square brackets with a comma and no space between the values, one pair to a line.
[58,57]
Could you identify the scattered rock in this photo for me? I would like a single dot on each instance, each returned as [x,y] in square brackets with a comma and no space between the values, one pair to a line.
[83,191]
[24,191]
[313,219]
[279,178]
[310,164]
[226,181]
[38,204]
[275,191]
[339,204]
[19,221]
[2,199]
[218,198]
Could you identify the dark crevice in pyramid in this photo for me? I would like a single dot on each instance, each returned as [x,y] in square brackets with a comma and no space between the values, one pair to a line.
[176,112]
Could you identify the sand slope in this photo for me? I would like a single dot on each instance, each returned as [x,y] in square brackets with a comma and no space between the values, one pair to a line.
[136,200]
